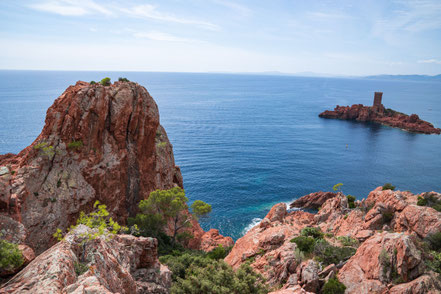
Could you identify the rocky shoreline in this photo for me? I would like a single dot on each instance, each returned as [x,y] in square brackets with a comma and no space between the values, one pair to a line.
[381,242]
[379,114]
[104,144]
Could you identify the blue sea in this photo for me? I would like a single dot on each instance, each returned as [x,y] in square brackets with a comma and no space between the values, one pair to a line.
[246,142]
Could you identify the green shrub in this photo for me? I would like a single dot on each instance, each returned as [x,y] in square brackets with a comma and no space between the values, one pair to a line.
[123,79]
[219,252]
[430,200]
[435,262]
[434,241]
[333,286]
[75,144]
[80,268]
[195,273]
[314,232]
[347,241]
[328,254]
[168,205]
[388,186]
[337,187]
[161,144]
[105,82]
[92,82]
[304,243]
[10,255]
[99,220]
[387,216]
[421,201]
[351,201]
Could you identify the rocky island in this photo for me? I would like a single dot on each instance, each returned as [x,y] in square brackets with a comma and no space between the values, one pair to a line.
[103,158]
[379,114]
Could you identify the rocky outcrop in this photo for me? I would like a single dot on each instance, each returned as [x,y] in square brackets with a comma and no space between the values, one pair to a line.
[381,115]
[99,143]
[211,239]
[386,229]
[122,264]
[313,200]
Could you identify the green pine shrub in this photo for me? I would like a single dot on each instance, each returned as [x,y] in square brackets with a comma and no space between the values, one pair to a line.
[328,254]
[388,186]
[304,243]
[333,286]
[351,201]
[10,255]
[105,82]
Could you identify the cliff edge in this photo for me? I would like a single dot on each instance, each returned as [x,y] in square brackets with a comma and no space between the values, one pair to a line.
[99,143]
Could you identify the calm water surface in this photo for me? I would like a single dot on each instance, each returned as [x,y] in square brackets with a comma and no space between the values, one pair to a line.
[246,142]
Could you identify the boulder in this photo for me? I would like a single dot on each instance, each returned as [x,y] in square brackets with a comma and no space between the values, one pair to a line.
[78,264]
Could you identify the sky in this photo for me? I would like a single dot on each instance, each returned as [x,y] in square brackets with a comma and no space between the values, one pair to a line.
[338,37]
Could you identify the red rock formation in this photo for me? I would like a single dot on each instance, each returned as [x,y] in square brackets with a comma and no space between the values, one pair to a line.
[383,116]
[123,264]
[313,200]
[399,268]
[99,143]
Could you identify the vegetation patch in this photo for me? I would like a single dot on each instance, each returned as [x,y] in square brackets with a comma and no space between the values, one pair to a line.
[328,254]
[347,241]
[167,206]
[80,268]
[10,255]
[304,243]
[105,82]
[195,273]
[333,286]
[75,144]
[429,199]
[388,186]
[98,220]
[123,79]
[351,201]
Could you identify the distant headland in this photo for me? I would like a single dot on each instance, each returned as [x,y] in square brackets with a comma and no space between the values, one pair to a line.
[379,114]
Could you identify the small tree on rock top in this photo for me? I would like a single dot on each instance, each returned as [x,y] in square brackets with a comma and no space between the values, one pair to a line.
[172,205]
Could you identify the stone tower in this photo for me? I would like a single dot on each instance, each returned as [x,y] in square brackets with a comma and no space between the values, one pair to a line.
[377,98]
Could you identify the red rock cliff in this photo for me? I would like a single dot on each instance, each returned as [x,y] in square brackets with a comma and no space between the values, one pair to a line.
[99,143]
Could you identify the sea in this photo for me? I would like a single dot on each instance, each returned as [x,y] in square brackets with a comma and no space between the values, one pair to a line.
[246,142]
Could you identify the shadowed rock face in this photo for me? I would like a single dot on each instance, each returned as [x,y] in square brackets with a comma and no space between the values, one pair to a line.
[383,116]
[99,143]
[389,256]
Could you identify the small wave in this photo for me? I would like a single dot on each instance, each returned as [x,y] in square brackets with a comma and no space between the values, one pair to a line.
[253,223]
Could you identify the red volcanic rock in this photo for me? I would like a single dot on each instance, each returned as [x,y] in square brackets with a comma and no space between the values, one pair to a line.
[277,213]
[381,115]
[381,258]
[123,264]
[99,143]
[313,200]
[372,267]
[211,239]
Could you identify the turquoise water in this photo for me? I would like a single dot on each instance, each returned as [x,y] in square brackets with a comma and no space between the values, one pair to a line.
[246,142]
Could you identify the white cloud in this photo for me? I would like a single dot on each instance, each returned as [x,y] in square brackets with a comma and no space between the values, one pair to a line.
[71,7]
[413,16]
[434,61]
[238,8]
[149,11]
[160,36]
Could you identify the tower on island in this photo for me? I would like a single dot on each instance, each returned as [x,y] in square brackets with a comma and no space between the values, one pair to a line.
[377,98]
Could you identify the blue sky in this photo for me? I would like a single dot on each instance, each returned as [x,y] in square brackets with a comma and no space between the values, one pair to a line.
[353,37]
